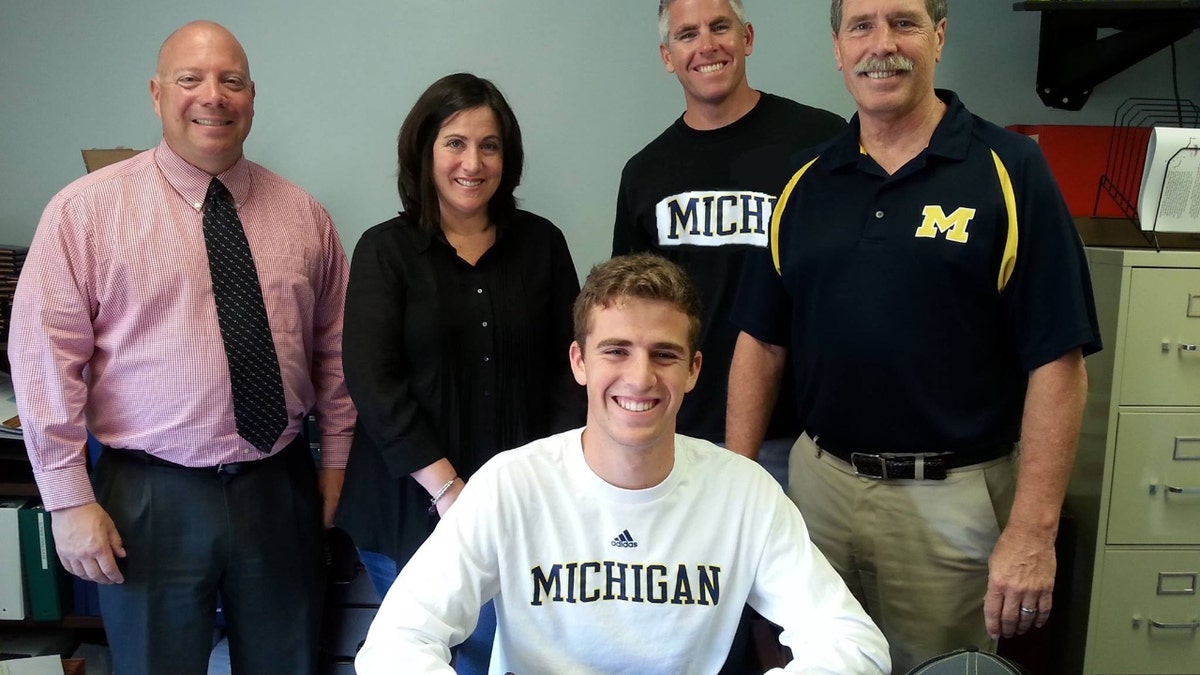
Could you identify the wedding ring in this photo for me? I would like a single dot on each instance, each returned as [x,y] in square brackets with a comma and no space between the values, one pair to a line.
[1028,610]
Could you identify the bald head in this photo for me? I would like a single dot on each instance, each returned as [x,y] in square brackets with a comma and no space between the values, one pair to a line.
[203,93]
[190,33]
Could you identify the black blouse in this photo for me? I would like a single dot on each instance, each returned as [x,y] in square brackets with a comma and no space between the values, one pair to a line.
[446,359]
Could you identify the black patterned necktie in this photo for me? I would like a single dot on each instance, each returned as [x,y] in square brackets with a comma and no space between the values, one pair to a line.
[258,404]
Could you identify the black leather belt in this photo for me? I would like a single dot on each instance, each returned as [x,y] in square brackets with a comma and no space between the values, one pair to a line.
[226,469]
[929,466]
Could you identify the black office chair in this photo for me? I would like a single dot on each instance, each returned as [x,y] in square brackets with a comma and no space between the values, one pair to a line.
[350,605]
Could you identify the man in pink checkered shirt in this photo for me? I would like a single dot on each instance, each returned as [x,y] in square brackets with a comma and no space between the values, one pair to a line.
[115,333]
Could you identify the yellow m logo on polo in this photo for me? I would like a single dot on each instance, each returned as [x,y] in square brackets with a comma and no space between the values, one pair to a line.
[953,225]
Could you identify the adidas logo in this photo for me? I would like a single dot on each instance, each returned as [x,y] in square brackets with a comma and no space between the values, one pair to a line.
[624,540]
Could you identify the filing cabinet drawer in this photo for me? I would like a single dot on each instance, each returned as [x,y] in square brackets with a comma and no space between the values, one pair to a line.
[1162,342]
[1149,615]
[1155,495]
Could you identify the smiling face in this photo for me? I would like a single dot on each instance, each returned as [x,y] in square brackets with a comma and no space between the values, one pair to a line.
[887,51]
[706,49]
[468,161]
[203,93]
[636,366]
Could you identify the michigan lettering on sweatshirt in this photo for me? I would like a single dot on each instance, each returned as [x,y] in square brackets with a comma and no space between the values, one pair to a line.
[610,580]
[714,218]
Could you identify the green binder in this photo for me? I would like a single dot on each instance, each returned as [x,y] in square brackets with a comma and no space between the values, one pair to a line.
[47,583]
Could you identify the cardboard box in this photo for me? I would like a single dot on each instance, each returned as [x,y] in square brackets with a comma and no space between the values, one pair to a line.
[1079,155]
[101,157]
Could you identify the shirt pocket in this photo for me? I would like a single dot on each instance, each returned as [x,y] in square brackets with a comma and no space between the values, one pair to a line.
[287,291]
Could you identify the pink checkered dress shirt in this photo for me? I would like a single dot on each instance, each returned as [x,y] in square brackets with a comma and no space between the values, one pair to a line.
[114,329]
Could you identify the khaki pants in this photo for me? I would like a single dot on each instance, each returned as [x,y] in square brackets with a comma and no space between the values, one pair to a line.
[914,552]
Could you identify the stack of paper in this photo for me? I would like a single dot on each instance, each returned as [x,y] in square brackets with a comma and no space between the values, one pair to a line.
[34,665]
[10,424]
[1169,199]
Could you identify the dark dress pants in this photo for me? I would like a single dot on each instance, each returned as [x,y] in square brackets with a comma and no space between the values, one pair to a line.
[254,537]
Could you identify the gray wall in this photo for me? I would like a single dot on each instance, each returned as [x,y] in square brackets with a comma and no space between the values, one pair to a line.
[335,79]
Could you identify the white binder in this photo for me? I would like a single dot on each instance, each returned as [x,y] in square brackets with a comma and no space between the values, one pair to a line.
[12,588]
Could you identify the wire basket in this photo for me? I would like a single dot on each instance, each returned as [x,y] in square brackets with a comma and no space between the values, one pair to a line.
[1123,171]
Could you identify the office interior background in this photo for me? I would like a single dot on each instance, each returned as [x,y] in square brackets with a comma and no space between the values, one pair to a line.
[335,80]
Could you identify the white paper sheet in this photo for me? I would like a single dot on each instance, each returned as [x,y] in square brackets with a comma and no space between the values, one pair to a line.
[1169,199]
[34,665]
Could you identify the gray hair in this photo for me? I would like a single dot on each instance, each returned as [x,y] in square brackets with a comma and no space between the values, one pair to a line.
[664,16]
[936,9]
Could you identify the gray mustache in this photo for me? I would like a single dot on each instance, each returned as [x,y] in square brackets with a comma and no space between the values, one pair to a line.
[893,62]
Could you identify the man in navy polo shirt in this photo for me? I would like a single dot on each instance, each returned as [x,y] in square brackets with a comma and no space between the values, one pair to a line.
[926,277]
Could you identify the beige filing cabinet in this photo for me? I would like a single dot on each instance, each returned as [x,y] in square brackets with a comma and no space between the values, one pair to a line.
[1134,498]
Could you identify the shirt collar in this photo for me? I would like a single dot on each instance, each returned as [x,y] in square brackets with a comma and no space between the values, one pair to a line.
[425,238]
[191,183]
[950,139]
[952,136]
[749,119]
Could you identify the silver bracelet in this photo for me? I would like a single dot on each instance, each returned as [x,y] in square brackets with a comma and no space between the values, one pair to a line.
[433,502]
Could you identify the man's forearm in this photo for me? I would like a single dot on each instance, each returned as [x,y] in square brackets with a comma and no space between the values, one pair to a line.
[1053,414]
[1021,569]
[754,377]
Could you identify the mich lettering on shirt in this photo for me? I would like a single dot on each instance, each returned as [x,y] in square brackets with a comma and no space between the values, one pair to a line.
[609,580]
[714,218]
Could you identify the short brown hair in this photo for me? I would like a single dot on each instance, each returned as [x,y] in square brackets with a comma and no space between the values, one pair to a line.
[642,275]
[414,148]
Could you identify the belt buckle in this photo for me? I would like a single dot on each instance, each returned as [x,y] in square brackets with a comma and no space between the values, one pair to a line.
[869,466]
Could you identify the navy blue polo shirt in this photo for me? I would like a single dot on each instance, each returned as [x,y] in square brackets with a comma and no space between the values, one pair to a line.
[915,304]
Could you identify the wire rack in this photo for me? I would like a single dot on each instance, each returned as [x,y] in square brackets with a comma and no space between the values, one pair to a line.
[1132,123]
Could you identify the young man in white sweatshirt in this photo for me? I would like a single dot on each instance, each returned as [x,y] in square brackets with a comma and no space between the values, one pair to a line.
[622,547]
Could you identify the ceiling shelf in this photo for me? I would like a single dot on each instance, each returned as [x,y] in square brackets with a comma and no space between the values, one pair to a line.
[1073,58]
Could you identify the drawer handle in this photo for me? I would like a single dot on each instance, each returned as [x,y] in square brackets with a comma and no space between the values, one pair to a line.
[1189,348]
[1192,625]
[1182,490]
[1174,489]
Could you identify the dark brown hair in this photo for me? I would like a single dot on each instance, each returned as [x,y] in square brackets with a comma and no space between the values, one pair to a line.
[414,147]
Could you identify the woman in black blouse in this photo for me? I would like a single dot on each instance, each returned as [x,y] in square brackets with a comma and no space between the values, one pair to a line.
[458,322]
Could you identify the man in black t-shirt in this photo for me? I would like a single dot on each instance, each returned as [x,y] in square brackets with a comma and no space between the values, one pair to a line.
[701,194]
